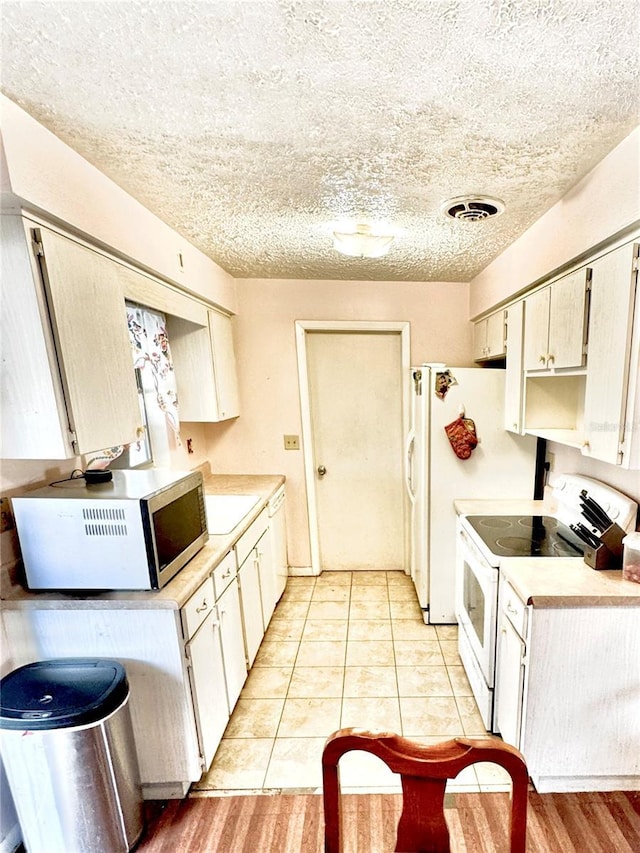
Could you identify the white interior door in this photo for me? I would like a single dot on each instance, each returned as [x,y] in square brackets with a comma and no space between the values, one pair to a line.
[356,399]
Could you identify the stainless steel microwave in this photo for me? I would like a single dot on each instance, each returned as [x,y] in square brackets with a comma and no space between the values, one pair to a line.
[134,532]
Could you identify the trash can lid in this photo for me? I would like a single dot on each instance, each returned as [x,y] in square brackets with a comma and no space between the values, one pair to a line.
[60,693]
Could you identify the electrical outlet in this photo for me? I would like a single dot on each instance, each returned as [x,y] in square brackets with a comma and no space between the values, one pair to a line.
[292,442]
[6,516]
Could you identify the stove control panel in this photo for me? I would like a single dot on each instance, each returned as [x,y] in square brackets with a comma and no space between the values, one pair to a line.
[569,491]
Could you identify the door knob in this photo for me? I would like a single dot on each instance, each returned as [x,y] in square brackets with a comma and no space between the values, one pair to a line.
[321,470]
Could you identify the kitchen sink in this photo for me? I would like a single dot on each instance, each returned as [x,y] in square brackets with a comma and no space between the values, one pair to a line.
[224,512]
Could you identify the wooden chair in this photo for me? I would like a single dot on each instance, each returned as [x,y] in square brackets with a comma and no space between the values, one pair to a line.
[422,827]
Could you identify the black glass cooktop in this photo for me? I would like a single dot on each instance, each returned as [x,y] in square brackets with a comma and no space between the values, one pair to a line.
[526,536]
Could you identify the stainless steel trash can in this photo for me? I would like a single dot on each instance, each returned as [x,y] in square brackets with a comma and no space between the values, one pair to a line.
[68,750]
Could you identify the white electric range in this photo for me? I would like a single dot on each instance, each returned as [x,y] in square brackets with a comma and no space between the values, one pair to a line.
[483,541]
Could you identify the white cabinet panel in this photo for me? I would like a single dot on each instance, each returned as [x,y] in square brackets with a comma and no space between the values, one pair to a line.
[613,292]
[90,356]
[235,665]
[247,542]
[513,382]
[251,605]
[197,608]
[489,337]
[555,324]
[278,541]
[267,570]
[536,334]
[205,367]
[206,676]
[224,365]
[509,682]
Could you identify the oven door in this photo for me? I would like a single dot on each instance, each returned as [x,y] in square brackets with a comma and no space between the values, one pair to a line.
[477,602]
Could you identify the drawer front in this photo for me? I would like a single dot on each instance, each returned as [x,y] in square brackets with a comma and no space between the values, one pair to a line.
[247,542]
[514,608]
[196,610]
[224,573]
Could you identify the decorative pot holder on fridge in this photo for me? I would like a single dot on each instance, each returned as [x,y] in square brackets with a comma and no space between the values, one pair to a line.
[462,436]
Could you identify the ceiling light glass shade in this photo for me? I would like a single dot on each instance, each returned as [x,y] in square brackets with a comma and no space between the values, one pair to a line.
[362,243]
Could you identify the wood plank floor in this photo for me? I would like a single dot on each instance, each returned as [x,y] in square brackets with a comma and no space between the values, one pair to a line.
[293,823]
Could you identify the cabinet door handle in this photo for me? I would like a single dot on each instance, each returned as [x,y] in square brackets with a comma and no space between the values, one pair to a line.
[203,606]
[551,358]
[226,574]
[542,359]
[511,609]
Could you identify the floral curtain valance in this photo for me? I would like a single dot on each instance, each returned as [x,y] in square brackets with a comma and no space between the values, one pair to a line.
[151,351]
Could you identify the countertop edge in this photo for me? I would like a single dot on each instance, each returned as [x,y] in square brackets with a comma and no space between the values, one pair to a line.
[577,585]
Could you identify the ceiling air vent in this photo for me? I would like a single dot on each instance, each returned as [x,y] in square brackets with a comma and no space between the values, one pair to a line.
[472,208]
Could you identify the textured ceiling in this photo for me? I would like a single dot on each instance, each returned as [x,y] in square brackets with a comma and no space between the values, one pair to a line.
[250,126]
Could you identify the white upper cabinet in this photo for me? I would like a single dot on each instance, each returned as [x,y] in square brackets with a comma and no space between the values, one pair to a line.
[224,365]
[612,375]
[67,379]
[513,384]
[205,367]
[489,337]
[555,324]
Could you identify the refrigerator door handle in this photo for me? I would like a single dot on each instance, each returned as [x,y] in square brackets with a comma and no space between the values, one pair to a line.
[408,458]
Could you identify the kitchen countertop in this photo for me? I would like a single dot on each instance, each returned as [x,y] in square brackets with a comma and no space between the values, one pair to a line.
[568,582]
[554,581]
[176,593]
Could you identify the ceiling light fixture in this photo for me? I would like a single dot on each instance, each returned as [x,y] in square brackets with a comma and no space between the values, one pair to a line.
[362,242]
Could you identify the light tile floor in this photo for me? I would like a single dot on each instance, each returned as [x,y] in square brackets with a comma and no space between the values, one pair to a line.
[346,649]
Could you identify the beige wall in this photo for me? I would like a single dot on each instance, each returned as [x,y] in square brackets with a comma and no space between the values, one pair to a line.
[604,202]
[265,349]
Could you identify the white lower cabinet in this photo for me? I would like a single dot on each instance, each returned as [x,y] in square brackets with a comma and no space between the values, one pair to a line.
[509,681]
[207,680]
[235,667]
[267,571]
[248,561]
[278,541]
[567,693]
[251,605]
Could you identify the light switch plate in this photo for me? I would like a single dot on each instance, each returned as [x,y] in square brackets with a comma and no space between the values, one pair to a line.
[292,442]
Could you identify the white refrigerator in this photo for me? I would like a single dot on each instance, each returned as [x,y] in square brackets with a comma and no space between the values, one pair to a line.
[502,465]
